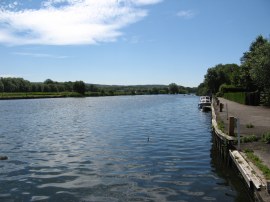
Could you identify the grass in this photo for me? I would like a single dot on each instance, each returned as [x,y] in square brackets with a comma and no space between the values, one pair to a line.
[250,125]
[250,138]
[258,162]
[221,125]
[266,137]
[38,95]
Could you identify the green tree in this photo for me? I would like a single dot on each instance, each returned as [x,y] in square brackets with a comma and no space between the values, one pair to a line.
[48,81]
[173,88]
[92,88]
[1,86]
[254,65]
[79,87]
[260,72]
[220,74]
[202,89]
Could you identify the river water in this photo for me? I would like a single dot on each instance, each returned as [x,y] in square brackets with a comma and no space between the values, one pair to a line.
[125,148]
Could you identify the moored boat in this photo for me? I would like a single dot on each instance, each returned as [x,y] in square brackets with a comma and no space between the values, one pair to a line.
[205,103]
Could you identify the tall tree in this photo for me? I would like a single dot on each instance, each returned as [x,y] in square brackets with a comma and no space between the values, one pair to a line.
[254,63]
[79,87]
[260,71]
[173,88]
[1,86]
[48,81]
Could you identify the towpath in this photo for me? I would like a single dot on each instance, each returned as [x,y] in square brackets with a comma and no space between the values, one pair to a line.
[257,116]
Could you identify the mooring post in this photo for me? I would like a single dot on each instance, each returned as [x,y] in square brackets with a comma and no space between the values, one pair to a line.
[238,133]
[227,111]
[220,107]
[231,126]
[268,187]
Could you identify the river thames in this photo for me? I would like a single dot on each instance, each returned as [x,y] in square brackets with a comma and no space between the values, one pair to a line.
[125,148]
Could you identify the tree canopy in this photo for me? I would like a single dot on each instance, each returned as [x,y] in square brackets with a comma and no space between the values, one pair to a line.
[10,85]
[79,87]
[252,75]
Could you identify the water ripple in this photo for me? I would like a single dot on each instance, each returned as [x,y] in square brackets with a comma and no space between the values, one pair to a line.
[131,148]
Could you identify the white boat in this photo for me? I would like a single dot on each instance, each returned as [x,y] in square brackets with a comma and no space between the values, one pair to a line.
[205,103]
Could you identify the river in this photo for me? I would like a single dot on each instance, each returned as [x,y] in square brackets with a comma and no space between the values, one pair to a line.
[125,148]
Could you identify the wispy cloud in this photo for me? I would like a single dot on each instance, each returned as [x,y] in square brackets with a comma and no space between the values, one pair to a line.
[187,14]
[8,76]
[69,22]
[39,55]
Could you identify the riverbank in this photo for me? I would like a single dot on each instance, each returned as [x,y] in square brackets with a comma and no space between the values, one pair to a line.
[38,95]
[254,122]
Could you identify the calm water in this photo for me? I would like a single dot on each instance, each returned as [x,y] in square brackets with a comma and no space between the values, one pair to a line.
[97,149]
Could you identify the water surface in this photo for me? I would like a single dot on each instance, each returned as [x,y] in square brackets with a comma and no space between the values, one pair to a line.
[130,148]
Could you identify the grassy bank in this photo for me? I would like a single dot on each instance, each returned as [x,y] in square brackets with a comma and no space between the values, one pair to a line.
[258,162]
[33,95]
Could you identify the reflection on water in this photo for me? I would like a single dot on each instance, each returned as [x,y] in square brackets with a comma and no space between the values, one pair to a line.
[97,149]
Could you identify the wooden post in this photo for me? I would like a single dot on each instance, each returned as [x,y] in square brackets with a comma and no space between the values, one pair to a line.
[238,133]
[217,102]
[220,107]
[231,126]
[268,187]
[227,111]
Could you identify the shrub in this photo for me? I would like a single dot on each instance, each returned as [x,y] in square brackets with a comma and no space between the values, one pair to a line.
[266,137]
[250,125]
[251,138]
[236,97]
[221,125]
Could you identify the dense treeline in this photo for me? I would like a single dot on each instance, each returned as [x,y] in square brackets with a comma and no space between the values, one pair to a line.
[11,85]
[253,74]
[15,85]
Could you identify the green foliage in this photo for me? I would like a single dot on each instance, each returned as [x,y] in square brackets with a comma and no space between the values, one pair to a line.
[225,88]
[236,97]
[1,86]
[258,162]
[48,81]
[266,137]
[250,138]
[18,85]
[256,63]
[253,75]
[220,74]
[173,88]
[79,87]
[202,90]
[221,125]
[250,125]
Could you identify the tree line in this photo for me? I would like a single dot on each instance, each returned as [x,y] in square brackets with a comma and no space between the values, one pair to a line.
[252,75]
[13,85]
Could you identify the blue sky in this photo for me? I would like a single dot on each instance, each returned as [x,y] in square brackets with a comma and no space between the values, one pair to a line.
[126,41]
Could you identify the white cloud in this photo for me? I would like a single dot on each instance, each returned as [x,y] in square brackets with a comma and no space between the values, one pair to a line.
[70,22]
[40,55]
[145,2]
[8,76]
[188,14]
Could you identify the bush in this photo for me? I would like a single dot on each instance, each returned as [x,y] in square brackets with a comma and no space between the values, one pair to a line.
[251,138]
[250,125]
[239,97]
[224,88]
[266,137]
